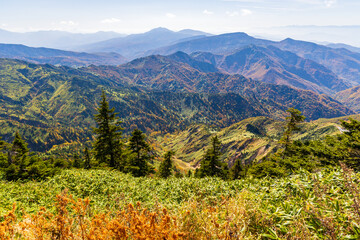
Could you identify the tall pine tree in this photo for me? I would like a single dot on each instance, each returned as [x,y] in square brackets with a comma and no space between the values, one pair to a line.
[210,164]
[237,170]
[108,143]
[167,165]
[19,150]
[3,158]
[292,126]
[139,149]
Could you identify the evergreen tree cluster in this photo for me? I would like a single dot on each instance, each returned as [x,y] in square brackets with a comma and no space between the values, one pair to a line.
[19,164]
[109,148]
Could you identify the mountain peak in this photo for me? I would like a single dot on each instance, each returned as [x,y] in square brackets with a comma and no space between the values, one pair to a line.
[159,30]
[180,54]
[288,40]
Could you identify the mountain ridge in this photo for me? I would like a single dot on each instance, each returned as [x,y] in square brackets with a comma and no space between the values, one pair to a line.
[43,55]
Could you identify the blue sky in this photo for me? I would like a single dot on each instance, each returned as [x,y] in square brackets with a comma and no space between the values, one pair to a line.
[215,16]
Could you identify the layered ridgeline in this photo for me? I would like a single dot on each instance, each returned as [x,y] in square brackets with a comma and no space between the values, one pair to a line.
[58,57]
[299,64]
[135,45]
[344,63]
[57,104]
[166,74]
[272,65]
[54,38]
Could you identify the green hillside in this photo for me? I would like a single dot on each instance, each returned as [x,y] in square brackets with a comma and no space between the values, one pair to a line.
[57,104]
[249,140]
[350,98]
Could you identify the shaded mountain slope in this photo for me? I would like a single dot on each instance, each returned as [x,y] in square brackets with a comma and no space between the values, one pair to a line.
[272,65]
[344,63]
[162,73]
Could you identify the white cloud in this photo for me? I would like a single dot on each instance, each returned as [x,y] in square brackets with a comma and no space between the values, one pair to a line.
[68,23]
[4,25]
[207,12]
[111,20]
[170,15]
[243,12]
[232,14]
[246,12]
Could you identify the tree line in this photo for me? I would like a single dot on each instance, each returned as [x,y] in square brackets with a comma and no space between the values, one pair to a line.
[134,156]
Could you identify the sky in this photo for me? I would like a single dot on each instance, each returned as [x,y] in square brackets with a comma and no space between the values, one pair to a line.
[135,16]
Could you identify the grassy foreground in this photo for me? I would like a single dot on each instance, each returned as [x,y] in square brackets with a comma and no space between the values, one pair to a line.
[325,205]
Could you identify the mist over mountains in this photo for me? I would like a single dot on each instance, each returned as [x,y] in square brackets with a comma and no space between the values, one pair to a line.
[55,39]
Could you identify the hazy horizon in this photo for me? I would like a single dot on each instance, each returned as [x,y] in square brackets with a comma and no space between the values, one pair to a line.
[271,19]
[214,16]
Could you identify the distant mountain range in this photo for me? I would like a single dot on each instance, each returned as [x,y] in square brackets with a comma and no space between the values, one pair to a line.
[219,44]
[344,63]
[348,34]
[341,45]
[189,77]
[272,65]
[58,57]
[264,63]
[55,39]
[135,45]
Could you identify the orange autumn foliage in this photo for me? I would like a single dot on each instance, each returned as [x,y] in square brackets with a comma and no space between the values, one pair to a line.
[73,220]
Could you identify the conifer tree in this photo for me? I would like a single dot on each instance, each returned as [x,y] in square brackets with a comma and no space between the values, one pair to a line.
[3,157]
[167,165]
[108,143]
[2,144]
[351,140]
[237,169]
[211,164]
[87,161]
[19,150]
[77,161]
[139,149]
[292,126]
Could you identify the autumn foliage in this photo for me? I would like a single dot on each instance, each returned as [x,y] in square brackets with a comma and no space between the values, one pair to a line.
[73,220]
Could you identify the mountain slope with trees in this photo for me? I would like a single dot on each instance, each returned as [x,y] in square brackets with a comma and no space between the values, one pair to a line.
[58,103]
[350,98]
[249,140]
[272,65]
